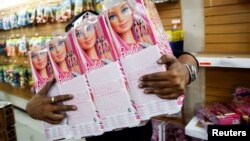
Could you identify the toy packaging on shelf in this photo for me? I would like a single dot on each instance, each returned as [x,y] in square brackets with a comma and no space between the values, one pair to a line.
[63,11]
[242,95]
[243,109]
[23,18]
[78,7]
[32,17]
[98,56]
[40,14]
[217,113]
[176,39]
[88,5]
[168,131]
[13,21]
[85,121]
[49,14]
[157,130]
[140,27]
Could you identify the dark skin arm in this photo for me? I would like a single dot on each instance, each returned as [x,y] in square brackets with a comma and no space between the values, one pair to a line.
[171,83]
[41,107]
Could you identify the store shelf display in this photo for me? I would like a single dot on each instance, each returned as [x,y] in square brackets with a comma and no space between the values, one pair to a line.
[225,60]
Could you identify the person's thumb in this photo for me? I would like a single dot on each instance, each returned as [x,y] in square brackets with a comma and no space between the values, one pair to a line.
[167,59]
[46,87]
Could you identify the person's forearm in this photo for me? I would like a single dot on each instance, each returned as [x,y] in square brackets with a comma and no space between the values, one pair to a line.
[188,59]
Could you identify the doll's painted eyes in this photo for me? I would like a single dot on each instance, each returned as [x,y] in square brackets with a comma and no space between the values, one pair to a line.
[42,53]
[60,43]
[51,48]
[89,28]
[125,10]
[35,55]
[111,17]
[79,33]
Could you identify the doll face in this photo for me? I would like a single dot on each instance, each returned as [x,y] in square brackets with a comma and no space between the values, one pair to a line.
[39,59]
[86,37]
[58,52]
[120,18]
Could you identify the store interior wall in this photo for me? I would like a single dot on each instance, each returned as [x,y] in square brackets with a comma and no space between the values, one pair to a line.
[193,25]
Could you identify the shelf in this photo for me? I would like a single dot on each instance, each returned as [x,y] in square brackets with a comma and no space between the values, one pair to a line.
[194,130]
[223,60]
[17,96]
[15,100]
[176,120]
[24,93]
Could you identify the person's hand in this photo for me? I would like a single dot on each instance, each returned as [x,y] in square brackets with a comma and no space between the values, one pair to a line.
[42,107]
[169,84]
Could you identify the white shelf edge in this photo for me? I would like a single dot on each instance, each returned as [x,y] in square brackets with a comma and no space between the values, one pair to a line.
[194,131]
[227,62]
[15,100]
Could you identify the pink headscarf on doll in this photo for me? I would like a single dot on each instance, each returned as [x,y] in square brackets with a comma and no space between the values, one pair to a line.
[58,72]
[91,63]
[137,14]
[39,81]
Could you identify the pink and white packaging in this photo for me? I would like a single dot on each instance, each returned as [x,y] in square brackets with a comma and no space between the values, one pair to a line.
[85,121]
[132,22]
[42,72]
[59,131]
[140,41]
[107,82]
[40,66]
[137,65]
[92,43]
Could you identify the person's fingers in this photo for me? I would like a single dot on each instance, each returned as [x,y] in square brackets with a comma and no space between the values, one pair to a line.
[167,59]
[52,121]
[170,96]
[59,108]
[61,98]
[165,91]
[46,88]
[56,117]
[155,76]
[155,84]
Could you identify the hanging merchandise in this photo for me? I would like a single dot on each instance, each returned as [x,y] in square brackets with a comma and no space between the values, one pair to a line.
[88,5]
[49,14]
[33,16]
[98,6]
[22,78]
[22,50]
[63,12]
[16,79]
[78,7]
[1,74]
[13,21]
[6,23]
[58,14]
[1,23]
[16,76]
[40,14]
[23,18]
[10,47]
